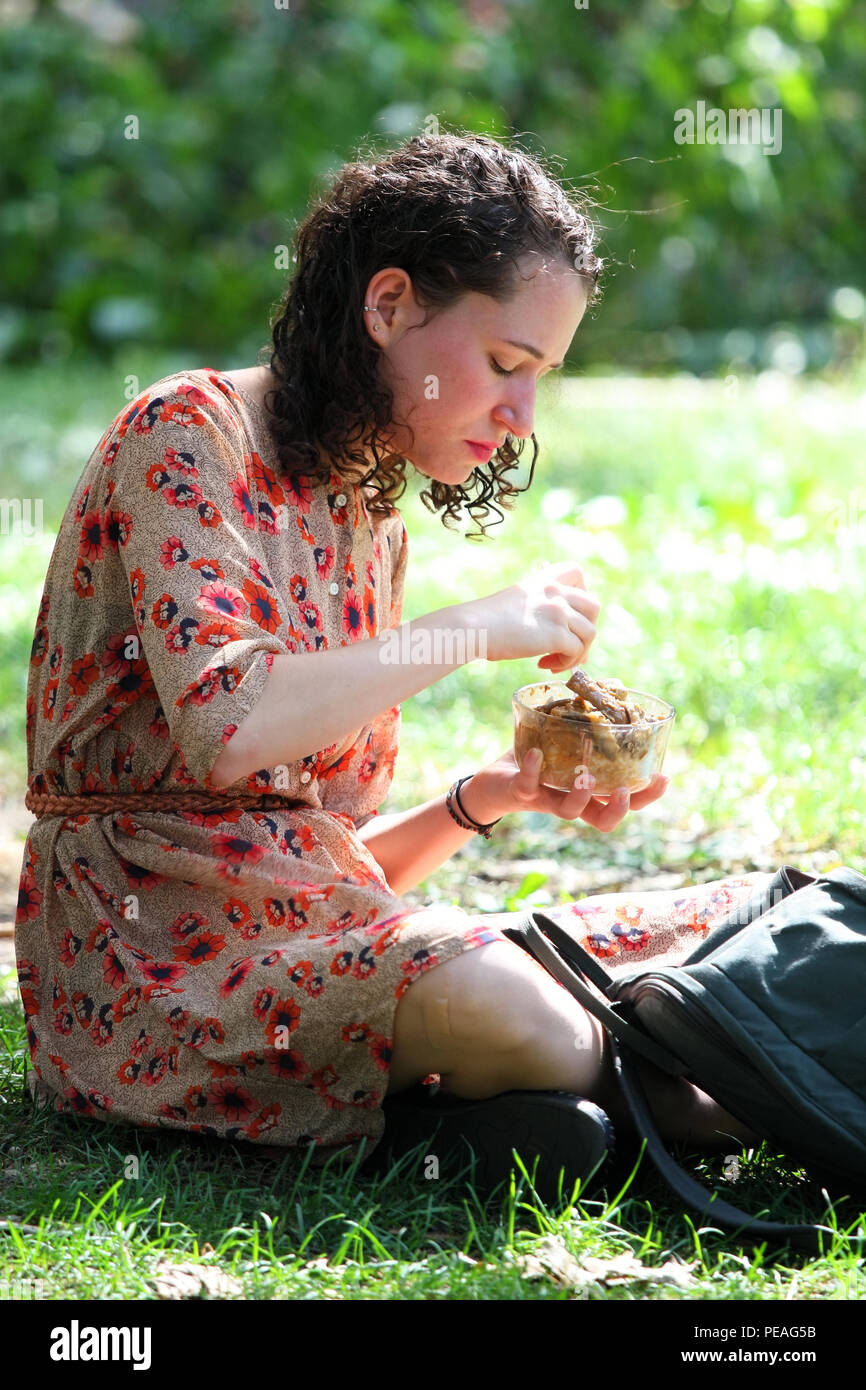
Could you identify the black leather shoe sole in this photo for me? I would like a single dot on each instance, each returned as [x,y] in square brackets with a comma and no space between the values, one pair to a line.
[566,1133]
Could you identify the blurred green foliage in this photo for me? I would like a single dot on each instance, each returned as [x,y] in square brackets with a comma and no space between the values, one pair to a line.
[156,154]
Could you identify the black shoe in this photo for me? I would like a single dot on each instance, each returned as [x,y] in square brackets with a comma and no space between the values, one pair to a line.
[566,1132]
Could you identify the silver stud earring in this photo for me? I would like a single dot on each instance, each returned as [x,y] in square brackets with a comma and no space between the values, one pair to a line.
[372,310]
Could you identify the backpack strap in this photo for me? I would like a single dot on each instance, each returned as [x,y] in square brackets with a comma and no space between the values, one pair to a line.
[573,952]
[529,934]
[693,1193]
[536,942]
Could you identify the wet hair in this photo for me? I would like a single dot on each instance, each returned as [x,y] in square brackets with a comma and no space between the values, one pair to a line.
[457,212]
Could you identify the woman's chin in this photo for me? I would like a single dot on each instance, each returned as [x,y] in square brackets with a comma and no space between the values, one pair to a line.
[447,474]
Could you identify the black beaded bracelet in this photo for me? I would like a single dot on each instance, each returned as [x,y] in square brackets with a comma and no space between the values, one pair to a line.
[468,823]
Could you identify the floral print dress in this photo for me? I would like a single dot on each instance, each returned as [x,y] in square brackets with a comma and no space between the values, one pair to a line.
[233,973]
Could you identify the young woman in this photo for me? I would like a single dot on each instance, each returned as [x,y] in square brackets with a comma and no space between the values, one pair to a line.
[210,935]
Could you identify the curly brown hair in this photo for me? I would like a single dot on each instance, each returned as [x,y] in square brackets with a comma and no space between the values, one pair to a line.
[456,212]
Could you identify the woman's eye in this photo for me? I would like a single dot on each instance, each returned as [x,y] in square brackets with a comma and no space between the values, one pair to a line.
[500,370]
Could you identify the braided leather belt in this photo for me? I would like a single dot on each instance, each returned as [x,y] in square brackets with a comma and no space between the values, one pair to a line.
[103,803]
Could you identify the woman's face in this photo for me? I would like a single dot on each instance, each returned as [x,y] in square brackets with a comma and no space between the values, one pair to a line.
[444,374]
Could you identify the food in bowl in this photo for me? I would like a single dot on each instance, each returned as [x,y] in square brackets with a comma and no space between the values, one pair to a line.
[598,727]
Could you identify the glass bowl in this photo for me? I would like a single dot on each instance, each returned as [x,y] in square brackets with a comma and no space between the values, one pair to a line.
[617,755]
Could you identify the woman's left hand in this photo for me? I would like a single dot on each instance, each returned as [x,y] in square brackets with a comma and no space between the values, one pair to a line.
[502,787]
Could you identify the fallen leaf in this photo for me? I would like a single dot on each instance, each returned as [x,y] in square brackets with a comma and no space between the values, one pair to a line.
[190,1280]
[551,1259]
[623,1269]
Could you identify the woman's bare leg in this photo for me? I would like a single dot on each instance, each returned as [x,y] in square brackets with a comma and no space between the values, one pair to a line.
[493,1019]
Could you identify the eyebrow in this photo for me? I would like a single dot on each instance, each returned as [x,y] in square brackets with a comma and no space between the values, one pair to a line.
[527,347]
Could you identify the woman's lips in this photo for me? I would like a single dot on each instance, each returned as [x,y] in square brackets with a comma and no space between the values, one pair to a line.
[482,452]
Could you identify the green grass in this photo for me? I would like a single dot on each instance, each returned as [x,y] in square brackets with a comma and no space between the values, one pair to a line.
[726,539]
[106,1205]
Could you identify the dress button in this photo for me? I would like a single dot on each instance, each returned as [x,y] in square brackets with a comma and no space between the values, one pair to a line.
[305,776]
[341,499]
[333,588]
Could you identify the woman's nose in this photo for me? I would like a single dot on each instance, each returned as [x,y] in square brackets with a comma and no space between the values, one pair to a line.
[518,413]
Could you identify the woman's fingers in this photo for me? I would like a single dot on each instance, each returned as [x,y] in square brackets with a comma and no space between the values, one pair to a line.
[525,784]
[584,630]
[527,787]
[582,601]
[603,814]
[657,787]
[607,814]
[580,624]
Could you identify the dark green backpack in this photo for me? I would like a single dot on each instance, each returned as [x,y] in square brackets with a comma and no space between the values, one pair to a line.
[768,1016]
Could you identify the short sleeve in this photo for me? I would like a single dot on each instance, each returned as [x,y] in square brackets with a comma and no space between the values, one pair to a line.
[206,610]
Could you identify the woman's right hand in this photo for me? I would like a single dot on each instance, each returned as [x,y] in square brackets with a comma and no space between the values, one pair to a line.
[549,614]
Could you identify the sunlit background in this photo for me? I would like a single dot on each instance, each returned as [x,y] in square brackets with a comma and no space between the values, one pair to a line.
[702,459]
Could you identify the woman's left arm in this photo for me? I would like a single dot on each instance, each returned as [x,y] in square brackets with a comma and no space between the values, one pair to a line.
[411,845]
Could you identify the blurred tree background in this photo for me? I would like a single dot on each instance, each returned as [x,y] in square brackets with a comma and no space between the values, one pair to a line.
[156,153]
[157,159]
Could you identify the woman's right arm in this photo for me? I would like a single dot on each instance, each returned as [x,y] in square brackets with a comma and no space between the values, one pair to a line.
[313,699]
[235,693]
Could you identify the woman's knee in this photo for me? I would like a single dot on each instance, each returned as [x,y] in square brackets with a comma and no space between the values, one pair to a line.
[492,1001]
[483,995]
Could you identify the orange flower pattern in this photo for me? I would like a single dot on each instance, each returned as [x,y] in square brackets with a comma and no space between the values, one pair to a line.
[230,973]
